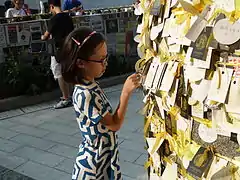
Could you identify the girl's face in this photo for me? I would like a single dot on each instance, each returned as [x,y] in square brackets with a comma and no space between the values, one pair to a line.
[95,66]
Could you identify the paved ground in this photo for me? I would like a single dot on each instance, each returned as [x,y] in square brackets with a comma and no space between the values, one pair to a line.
[41,143]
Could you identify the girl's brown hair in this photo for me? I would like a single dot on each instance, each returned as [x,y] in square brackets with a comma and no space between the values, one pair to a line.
[71,52]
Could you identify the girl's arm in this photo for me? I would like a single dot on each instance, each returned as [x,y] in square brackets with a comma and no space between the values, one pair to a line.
[115,121]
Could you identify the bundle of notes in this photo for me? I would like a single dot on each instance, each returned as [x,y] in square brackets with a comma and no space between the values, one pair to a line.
[190,64]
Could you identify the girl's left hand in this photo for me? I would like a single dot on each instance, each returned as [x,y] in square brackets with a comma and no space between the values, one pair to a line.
[132,83]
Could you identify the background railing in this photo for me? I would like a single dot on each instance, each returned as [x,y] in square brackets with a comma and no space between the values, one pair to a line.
[25,59]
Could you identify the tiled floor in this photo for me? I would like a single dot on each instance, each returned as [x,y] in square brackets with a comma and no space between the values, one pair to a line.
[43,142]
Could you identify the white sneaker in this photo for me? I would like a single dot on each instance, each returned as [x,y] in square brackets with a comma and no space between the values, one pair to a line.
[63,103]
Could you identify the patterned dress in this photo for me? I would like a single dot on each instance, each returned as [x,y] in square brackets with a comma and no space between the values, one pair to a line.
[98,153]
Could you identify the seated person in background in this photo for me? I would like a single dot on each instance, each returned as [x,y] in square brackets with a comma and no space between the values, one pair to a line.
[17,10]
[8,4]
[26,9]
[73,6]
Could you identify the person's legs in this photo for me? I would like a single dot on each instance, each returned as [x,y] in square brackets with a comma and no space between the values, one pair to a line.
[70,88]
[64,87]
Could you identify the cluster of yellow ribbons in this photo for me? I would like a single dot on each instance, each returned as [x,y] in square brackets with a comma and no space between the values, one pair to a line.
[180,143]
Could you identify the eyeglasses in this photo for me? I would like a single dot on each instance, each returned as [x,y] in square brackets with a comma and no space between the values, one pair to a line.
[103,61]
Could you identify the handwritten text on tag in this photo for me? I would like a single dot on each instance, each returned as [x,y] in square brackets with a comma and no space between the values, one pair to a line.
[225,32]
[235,60]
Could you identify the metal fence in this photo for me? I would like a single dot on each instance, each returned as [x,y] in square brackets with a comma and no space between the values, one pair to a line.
[118,25]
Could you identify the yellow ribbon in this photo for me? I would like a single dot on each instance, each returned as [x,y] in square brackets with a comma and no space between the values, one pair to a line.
[149,118]
[190,8]
[232,16]
[204,121]
[174,111]
[231,64]
[236,162]
[142,62]
[180,143]
[233,170]
[146,126]
[184,13]
[181,17]
[169,161]
[148,163]
[219,78]
[159,137]
[144,110]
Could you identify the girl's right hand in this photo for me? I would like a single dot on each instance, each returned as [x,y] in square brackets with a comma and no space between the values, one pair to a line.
[132,83]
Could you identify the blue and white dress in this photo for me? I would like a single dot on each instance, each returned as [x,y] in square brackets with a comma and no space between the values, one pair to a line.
[98,153]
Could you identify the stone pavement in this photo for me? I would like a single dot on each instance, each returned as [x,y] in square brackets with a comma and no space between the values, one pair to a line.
[41,143]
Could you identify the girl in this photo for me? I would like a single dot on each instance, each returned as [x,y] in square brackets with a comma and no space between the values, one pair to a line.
[84,58]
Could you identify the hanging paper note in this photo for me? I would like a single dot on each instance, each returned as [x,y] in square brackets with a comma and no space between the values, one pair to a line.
[198,110]
[167,27]
[174,48]
[217,165]
[200,163]
[153,175]
[160,106]
[174,3]
[159,75]
[199,63]
[232,103]
[183,124]
[225,32]
[207,134]
[224,173]
[194,74]
[199,24]
[200,91]
[236,62]
[155,31]
[169,76]
[227,5]
[170,172]
[151,74]
[200,47]
[167,8]
[155,156]
[220,84]
[219,117]
[172,97]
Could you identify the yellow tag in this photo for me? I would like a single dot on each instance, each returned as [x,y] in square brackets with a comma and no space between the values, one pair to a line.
[237,4]
[206,122]
[189,7]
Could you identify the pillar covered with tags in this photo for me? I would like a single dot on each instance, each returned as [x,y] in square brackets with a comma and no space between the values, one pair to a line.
[189,60]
